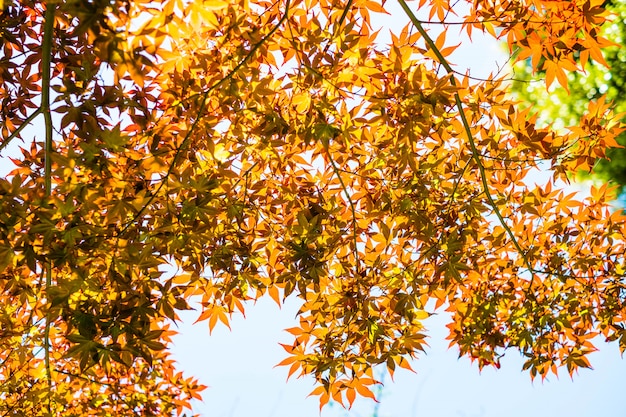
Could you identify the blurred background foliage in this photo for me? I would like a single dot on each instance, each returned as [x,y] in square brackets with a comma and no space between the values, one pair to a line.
[557,107]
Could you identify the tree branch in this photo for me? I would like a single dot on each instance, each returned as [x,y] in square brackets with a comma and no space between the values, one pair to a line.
[193,126]
[25,123]
[46,59]
[350,202]
[470,138]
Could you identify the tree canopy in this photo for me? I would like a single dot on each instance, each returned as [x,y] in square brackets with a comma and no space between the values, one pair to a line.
[219,151]
[602,77]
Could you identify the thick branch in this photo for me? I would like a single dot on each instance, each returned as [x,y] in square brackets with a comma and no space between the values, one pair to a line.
[46,58]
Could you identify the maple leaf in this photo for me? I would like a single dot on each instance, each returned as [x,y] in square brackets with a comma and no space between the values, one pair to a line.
[280,149]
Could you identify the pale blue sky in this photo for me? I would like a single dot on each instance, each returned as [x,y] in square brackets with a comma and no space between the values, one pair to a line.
[239,367]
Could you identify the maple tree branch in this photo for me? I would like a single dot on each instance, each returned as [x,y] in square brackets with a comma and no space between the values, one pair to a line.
[25,123]
[12,407]
[482,22]
[92,381]
[338,25]
[456,187]
[352,208]
[325,144]
[7,380]
[46,59]
[203,96]
[470,138]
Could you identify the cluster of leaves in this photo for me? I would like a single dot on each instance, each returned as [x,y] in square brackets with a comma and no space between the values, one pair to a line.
[277,149]
[605,76]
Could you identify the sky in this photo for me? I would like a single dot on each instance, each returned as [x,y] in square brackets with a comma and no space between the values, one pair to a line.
[238,364]
[239,367]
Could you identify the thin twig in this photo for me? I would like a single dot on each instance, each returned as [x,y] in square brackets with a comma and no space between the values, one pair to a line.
[350,202]
[338,25]
[22,126]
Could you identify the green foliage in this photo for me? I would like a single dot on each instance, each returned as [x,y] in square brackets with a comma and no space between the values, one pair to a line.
[558,107]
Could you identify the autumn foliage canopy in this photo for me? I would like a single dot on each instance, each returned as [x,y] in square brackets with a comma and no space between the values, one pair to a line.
[159,154]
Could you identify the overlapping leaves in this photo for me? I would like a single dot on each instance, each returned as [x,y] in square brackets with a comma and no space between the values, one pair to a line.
[280,149]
